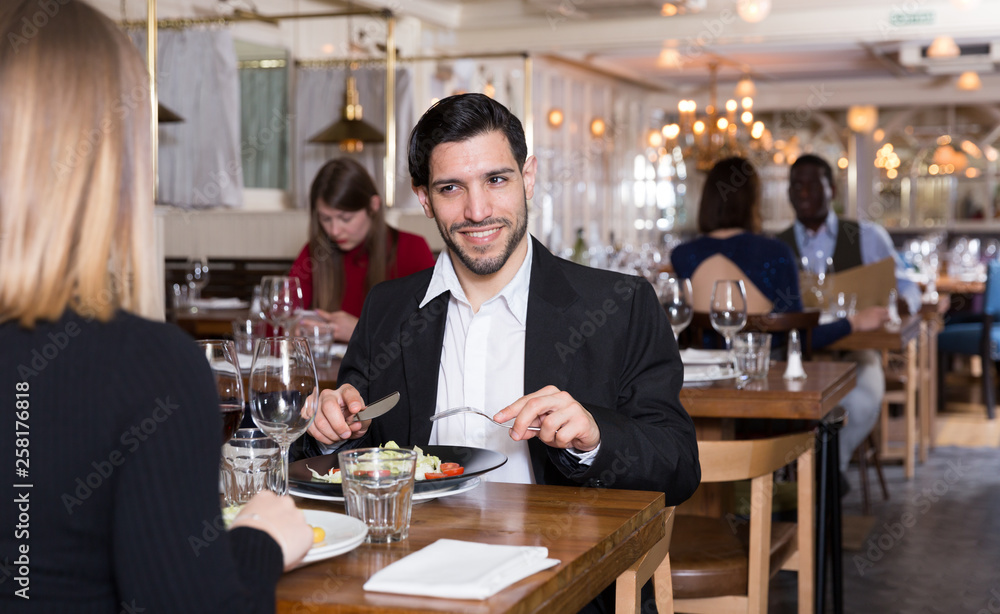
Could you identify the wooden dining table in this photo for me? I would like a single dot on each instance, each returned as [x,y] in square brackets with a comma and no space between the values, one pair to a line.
[595,533]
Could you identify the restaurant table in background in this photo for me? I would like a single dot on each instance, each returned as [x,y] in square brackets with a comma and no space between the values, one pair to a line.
[903,338]
[714,407]
[207,323]
[595,533]
[953,285]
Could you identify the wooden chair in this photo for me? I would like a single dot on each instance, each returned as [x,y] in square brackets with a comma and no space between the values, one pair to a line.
[868,454]
[629,584]
[723,565]
[719,267]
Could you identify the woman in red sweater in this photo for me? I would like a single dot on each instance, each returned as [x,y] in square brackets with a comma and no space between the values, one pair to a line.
[351,248]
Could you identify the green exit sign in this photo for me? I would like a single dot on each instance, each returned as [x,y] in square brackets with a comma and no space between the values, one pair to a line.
[911,18]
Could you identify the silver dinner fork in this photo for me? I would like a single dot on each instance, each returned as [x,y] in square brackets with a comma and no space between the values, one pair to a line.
[472,410]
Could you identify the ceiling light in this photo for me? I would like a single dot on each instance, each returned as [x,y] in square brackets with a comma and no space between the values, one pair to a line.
[555,118]
[862,118]
[671,131]
[943,47]
[753,11]
[597,127]
[350,131]
[969,81]
[745,88]
[669,58]
[669,9]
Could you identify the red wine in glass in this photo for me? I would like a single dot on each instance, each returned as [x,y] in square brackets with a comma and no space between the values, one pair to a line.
[232,416]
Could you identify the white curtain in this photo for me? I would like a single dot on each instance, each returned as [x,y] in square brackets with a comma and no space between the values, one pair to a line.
[200,164]
[319,100]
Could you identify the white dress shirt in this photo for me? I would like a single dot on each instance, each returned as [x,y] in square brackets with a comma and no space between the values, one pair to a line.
[482,366]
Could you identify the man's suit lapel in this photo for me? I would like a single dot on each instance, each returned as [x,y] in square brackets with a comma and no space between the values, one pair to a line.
[546,332]
[421,355]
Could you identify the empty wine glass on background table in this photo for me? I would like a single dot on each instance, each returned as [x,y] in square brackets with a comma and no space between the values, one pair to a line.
[728,310]
[225,365]
[283,393]
[281,300]
[196,275]
[675,297]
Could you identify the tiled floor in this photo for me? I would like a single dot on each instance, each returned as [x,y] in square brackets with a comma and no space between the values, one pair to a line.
[934,547]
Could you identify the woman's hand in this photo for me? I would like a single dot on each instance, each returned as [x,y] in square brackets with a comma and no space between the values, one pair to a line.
[279,518]
[343,321]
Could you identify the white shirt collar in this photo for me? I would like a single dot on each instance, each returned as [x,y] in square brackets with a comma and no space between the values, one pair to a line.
[829,227]
[515,293]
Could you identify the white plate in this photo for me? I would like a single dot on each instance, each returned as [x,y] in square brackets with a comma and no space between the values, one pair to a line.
[449,490]
[695,375]
[218,303]
[343,534]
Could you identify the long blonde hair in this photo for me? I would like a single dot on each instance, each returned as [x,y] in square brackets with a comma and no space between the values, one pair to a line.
[76,182]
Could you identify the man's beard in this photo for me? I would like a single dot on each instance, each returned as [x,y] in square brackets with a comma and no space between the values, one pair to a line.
[486,266]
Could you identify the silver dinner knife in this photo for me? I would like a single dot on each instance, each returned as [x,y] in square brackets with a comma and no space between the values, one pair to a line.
[379,407]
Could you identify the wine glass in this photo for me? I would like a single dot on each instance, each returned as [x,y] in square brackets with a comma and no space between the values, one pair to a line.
[281,299]
[283,393]
[675,297]
[728,310]
[196,275]
[225,365]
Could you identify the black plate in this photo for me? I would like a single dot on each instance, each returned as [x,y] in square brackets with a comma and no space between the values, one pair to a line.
[476,461]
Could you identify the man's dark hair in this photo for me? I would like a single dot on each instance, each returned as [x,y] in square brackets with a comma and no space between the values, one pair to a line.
[459,118]
[813,160]
[730,198]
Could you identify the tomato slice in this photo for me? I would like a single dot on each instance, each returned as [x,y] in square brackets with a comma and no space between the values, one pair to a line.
[431,475]
[452,470]
[446,466]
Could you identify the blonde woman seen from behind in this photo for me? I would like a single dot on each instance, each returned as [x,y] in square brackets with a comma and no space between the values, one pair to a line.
[117,415]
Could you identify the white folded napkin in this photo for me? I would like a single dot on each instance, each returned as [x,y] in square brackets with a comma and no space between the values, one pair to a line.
[460,570]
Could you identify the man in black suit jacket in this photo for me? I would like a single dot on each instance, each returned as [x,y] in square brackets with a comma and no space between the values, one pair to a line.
[601,371]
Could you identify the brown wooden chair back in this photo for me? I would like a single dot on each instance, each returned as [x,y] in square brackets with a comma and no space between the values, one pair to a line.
[705,553]
[719,267]
[803,321]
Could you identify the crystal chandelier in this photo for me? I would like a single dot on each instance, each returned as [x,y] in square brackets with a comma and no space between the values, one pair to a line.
[719,133]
